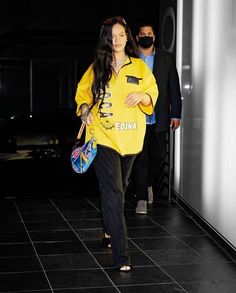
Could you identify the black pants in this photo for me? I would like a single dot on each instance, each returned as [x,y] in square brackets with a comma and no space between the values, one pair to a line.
[147,165]
[113,172]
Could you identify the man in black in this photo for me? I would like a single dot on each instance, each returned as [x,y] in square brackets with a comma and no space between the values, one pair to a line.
[167,115]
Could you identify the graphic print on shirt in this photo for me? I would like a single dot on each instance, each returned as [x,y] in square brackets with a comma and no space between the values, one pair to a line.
[105,111]
[133,79]
[105,105]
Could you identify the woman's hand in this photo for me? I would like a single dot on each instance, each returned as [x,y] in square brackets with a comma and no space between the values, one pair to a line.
[133,99]
[86,115]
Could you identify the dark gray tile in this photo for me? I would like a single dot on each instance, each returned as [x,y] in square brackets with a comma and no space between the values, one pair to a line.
[140,222]
[160,288]
[202,272]
[213,286]
[35,291]
[139,276]
[168,212]
[213,254]
[156,205]
[68,262]
[11,227]
[177,220]
[198,241]
[90,290]
[13,217]
[7,206]
[24,249]
[42,216]
[175,256]
[47,226]
[52,248]
[75,205]
[78,278]
[147,232]
[53,236]
[14,237]
[33,201]
[35,207]
[23,282]
[20,264]
[75,215]
[70,201]
[88,223]
[159,243]
[90,234]
[185,230]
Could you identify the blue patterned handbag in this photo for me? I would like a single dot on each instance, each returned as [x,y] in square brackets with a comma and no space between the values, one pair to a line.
[82,156]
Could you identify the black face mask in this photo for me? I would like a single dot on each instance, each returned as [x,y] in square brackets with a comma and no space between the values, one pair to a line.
[145,42]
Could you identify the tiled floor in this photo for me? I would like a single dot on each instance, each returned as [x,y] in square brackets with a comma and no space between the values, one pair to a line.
[54,245]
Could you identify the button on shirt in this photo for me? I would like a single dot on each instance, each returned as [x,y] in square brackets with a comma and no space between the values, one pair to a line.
[149,60]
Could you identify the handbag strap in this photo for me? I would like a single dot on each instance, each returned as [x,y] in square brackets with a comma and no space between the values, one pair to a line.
[81,130]
[83,124]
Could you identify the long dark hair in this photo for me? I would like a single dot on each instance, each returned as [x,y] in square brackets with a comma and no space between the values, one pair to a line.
[103,54]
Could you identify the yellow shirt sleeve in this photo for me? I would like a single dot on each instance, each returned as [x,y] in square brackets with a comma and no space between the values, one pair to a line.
[150,88]
[84,92]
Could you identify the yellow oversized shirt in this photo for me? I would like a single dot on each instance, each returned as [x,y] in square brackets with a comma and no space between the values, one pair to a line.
[116,125]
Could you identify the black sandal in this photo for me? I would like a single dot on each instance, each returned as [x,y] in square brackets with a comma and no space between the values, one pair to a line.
[106,241]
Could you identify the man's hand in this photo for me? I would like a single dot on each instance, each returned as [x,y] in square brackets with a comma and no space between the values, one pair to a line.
[174,123]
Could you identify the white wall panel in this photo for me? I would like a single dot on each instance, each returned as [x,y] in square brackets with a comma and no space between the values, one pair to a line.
[206,59]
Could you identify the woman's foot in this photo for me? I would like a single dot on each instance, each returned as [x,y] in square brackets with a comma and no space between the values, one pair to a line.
[125,268]
[106,241]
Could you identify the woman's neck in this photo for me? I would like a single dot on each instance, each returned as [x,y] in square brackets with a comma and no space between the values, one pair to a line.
[119,59]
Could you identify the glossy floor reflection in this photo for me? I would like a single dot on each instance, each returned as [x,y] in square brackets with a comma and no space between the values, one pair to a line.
[53,244]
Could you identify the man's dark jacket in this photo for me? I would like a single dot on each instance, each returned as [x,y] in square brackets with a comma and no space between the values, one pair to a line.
[169,102]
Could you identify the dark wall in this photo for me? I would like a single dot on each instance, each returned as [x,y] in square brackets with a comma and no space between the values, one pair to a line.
[35,27]
[46,45]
